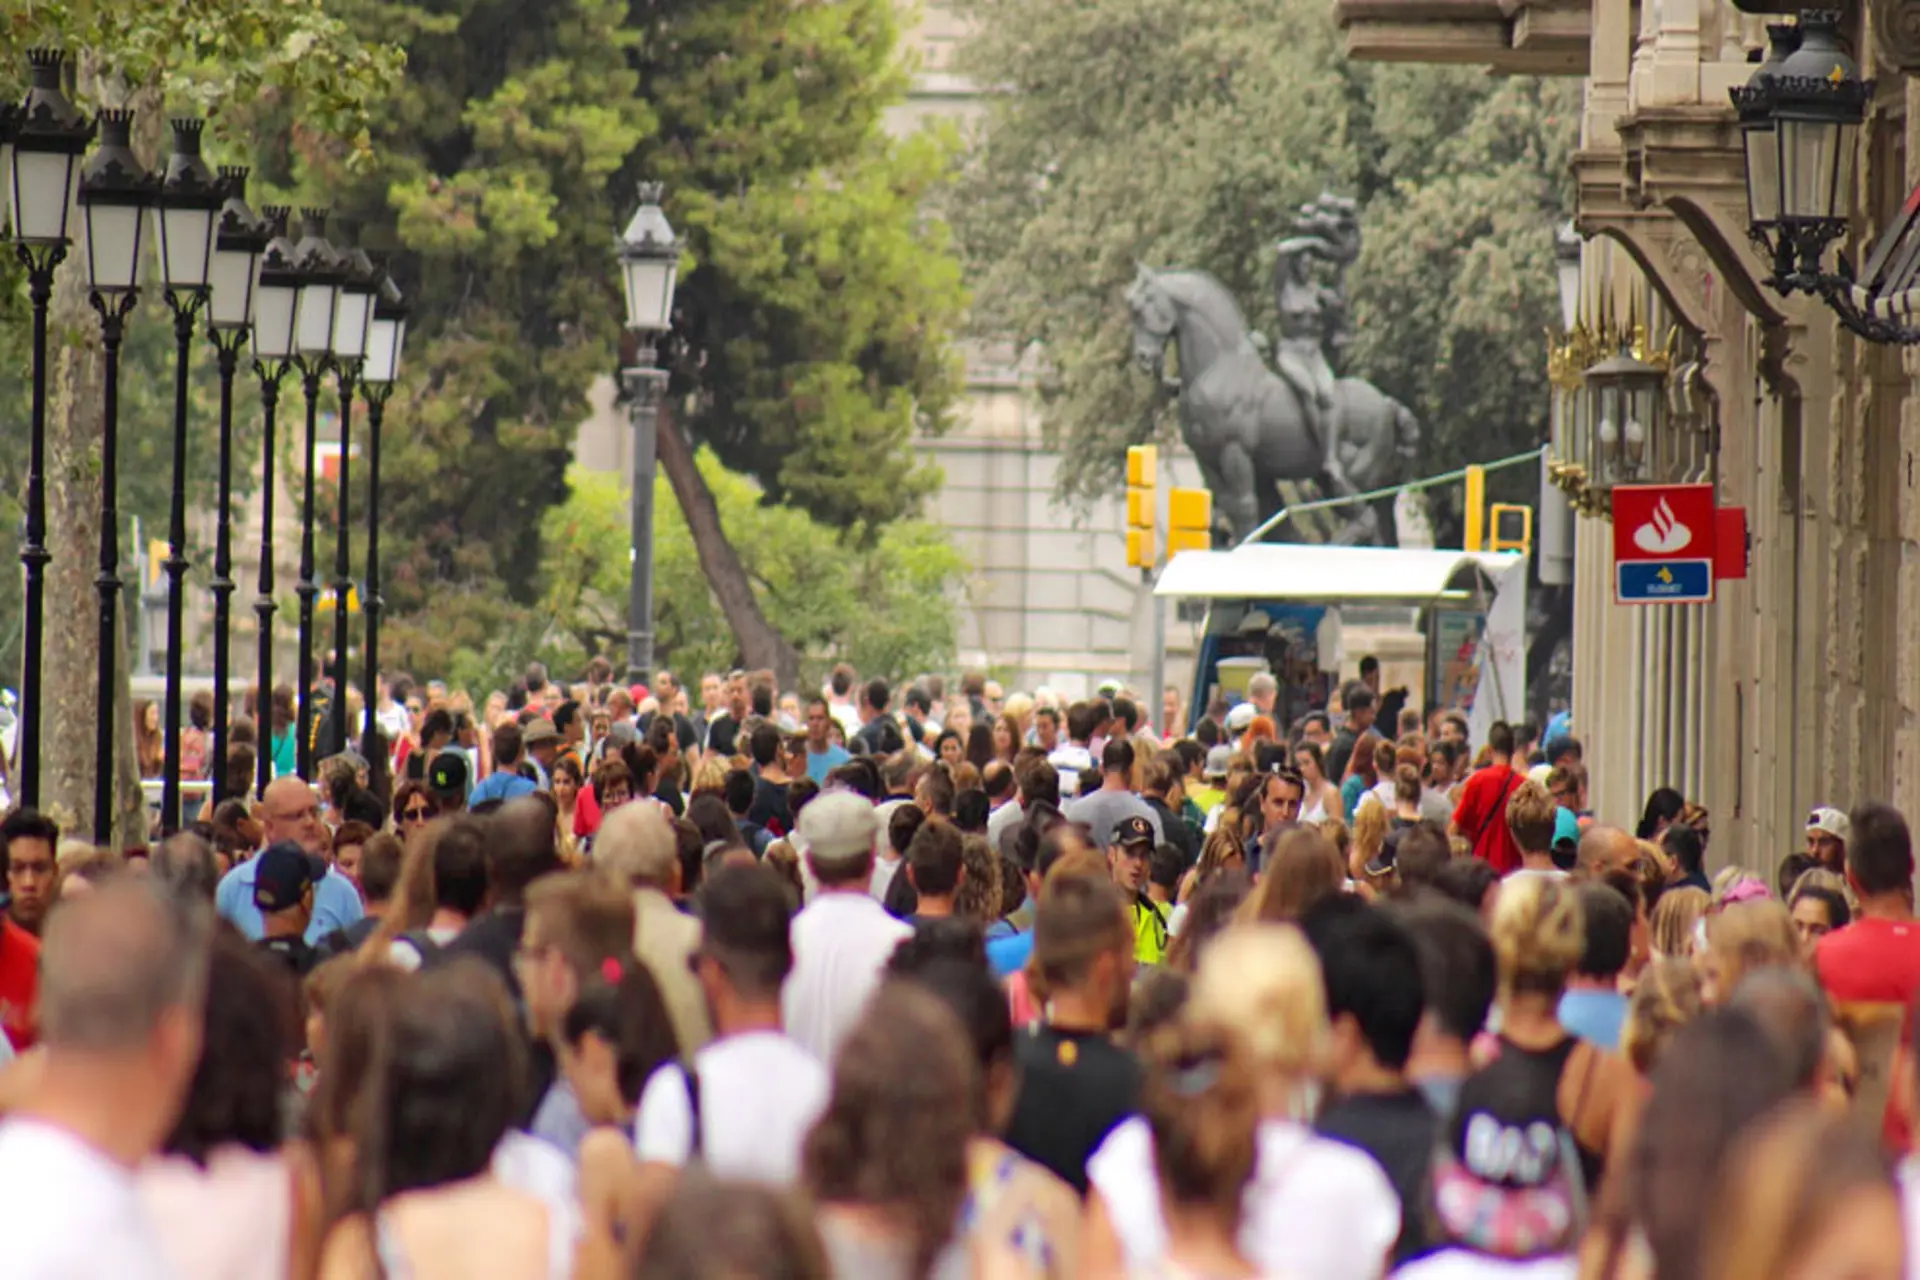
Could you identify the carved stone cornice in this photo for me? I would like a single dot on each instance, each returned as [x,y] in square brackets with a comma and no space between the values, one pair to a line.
[1895,25]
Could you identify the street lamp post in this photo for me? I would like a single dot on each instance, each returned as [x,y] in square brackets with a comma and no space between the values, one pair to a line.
[386,337]
[190,198]
[43,175]
[359,281]
[649,262]
[116,192]
[320,276]
[240,237]
[276,312]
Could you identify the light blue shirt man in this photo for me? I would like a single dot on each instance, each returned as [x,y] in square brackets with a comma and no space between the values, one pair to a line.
[336,903]
[821,763]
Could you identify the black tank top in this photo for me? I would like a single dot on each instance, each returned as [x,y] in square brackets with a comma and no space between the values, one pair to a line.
[1532,1076]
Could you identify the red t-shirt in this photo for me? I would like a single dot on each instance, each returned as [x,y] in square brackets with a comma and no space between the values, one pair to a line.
[1482,816]
[19,985]
[1870,960]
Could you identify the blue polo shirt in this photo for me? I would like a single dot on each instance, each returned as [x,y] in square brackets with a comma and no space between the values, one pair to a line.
[502,785]
[336,903]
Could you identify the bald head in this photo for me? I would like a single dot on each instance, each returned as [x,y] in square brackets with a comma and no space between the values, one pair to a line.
[1604,849]
[116,961]
[289,810]
[637,846]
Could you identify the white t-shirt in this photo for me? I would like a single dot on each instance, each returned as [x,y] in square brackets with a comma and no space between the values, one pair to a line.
[1460,1264]
[542,1170]
[759,1094]
[1315,1209]
[68,1212]
[884,870]
[841,941]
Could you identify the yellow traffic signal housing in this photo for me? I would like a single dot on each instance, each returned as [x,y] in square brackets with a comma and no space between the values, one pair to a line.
[1512,528]
[1140,549]
[1474,511]
[1143,466]
[1143,504]
[1189,521]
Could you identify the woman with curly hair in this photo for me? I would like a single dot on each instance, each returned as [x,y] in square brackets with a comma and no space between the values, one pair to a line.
[887,1161]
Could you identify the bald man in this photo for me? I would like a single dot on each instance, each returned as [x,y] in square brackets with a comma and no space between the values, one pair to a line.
[1604,849]
[289,810]
[125,974]
[636,845]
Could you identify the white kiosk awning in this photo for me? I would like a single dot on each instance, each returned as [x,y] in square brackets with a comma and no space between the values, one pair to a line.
[1330,575]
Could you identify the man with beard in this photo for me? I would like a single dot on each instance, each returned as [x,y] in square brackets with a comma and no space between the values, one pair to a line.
[1076,1084]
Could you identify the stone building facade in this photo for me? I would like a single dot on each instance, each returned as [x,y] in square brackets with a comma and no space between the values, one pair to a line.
[1798,685]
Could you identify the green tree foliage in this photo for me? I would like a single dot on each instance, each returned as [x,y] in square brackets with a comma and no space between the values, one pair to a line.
[886,604]
[814,307]
[814,324]
[491,172]
[1170,133]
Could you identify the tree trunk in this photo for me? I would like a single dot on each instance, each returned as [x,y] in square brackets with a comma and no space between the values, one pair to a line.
[69,642]
[70,653]
[760,645]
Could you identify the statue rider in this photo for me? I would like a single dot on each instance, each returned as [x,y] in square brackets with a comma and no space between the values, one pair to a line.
[1313,314]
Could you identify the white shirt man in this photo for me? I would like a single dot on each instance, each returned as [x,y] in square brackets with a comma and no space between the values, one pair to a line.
[754,1092]
[843,938]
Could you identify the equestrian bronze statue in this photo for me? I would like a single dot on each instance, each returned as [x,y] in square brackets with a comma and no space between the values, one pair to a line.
[1250,427]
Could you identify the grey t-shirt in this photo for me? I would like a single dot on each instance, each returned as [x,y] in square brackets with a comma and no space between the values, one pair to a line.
[1104,810]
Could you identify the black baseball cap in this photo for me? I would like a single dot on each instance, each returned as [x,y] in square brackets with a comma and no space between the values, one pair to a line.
[282,873]
[1134,830]
[448,774]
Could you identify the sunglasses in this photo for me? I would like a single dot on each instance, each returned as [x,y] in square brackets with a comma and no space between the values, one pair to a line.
[416,815]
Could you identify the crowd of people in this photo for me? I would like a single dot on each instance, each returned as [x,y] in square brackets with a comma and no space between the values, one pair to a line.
[594,981]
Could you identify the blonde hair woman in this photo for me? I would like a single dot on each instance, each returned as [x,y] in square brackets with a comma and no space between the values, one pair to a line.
[1538,935]
[1675,916]
[1313,1206]
[1301,871]
[1666,998]
[1804,1195]
[1369,833]
[1741,938]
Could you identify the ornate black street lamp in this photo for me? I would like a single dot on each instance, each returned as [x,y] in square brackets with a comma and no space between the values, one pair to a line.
[190,198]
[116,192]
[240,237]
[649,262]
[1800,118]
[276,313]
[43,175]
[359,282]
[386,338]
[320,275]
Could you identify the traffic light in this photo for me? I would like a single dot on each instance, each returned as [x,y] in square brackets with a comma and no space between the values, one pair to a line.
[1474,510]
[1189,521]
[1143,477]
[1512,528]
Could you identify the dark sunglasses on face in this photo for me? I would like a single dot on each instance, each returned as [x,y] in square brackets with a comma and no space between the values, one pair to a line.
[416,814]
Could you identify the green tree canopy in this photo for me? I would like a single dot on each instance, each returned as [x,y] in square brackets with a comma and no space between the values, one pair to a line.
[887,604]
[1169,133]
[815,305]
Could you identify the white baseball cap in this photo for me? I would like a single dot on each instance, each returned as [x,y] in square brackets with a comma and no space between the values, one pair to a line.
[1829,822]
[1240,717]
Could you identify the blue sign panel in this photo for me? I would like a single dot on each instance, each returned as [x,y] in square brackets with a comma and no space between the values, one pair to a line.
[1663,581]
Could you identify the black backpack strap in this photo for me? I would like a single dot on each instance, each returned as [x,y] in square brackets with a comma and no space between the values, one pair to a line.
[696,1136]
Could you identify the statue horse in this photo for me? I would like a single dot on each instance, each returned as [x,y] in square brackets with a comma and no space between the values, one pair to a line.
[1248,427]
